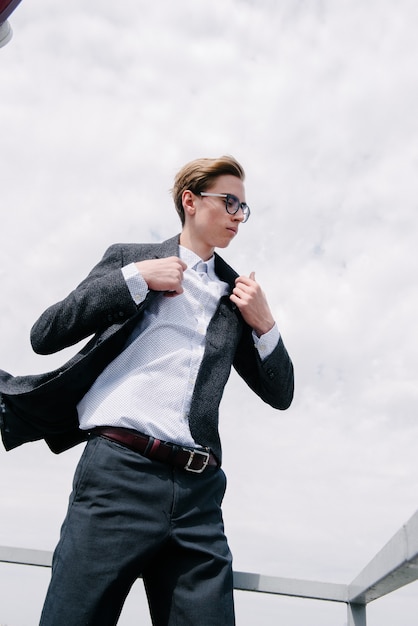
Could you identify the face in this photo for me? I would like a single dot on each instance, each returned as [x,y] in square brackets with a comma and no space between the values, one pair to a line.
[207,221]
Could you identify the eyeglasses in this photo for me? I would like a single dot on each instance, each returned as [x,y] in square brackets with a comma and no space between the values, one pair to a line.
[232,203]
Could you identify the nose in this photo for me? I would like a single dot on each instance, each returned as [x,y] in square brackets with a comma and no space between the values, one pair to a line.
[239,215]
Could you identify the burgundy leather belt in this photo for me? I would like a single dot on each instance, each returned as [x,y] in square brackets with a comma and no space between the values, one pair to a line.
[191,459]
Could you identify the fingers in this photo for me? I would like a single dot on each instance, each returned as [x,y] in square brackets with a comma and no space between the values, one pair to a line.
[244,291]
[163,274]
[246,281]
[250,299]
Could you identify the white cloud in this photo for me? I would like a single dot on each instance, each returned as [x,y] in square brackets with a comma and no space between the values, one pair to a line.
[99,107]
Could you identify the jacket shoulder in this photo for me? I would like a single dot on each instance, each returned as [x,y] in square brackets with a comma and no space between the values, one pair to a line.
[131,252]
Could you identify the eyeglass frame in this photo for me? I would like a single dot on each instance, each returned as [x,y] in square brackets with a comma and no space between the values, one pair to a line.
[227,196]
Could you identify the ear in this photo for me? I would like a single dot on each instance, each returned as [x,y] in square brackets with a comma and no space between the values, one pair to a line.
[188,200]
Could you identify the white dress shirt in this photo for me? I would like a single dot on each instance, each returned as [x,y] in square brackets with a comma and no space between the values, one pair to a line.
[149,385]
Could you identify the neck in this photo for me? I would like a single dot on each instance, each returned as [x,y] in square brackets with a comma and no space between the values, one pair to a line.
[203,251]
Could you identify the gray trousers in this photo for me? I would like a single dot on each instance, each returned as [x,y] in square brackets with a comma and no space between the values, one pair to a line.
[130,516]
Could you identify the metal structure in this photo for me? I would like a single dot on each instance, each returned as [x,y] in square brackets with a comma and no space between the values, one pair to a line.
[395,566]
[5,33]
[6,9]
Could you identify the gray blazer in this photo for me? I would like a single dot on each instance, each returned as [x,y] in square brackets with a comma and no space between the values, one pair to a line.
[44,406]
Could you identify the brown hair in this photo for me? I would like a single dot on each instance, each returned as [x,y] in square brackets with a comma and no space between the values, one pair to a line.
[198,175]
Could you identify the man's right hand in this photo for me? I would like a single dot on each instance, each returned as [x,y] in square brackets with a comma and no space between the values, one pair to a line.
[163,274]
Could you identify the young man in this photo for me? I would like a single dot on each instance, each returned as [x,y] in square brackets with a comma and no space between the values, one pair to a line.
[169,320]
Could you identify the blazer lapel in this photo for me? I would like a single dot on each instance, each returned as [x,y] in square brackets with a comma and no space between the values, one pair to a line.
[225,271]
[170,247]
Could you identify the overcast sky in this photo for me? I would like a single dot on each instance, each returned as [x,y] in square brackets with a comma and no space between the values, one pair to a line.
[100,104]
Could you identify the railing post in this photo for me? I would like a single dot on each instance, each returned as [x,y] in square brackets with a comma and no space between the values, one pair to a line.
[356,614]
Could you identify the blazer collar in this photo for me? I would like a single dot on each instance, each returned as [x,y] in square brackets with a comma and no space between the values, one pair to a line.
[225,271]
[170,247]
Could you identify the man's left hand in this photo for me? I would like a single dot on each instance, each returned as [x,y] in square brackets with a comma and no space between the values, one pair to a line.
[250,299]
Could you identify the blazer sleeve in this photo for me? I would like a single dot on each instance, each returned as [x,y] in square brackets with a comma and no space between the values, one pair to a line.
[100,300]
[271,379]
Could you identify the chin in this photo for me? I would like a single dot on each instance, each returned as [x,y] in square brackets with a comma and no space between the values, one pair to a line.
[223,243]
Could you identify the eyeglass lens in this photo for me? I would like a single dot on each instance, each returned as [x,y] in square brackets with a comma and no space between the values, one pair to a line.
[233,205]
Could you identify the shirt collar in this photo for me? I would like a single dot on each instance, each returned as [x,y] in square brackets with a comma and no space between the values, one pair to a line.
[191,259]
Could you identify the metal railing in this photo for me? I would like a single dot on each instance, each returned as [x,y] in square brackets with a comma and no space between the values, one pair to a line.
[395,566]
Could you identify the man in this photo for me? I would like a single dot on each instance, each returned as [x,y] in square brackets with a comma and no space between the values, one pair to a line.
[168,321]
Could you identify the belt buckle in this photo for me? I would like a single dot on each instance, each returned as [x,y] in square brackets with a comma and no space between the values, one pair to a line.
[190,461]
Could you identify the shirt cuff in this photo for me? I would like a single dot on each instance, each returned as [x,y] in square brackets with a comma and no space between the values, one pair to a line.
[137,286]
[267,342]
